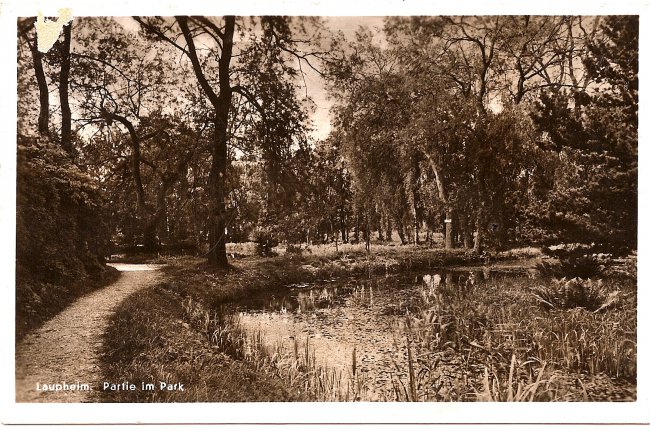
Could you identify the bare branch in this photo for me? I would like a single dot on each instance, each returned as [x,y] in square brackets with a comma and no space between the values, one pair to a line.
[155,30]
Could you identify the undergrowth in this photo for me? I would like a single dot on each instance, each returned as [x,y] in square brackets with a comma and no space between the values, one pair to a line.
[522,346]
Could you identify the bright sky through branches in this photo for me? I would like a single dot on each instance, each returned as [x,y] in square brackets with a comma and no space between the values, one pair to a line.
[315,85]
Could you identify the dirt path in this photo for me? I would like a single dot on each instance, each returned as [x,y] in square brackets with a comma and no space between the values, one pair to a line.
[65,350]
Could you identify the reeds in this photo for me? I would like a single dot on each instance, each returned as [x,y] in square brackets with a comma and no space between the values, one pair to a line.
[492,325]
[516,388]
[295,362]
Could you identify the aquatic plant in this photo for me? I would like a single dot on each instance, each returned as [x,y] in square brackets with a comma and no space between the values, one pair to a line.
[517,387]
[564,294]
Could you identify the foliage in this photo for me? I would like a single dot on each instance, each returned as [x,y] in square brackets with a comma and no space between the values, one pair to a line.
[514,389]
[594,132]
[61,233]
[585,266]
[560,324]
[426,120]
[60,230]
[518,130]
[574,260]
[592,295]
[438,119]
[265,241]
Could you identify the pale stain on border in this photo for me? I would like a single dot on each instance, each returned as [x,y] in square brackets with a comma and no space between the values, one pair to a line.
[48,31]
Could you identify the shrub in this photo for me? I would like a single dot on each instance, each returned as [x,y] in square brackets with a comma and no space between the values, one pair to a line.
[265,240]
[575,293]
[61,237]
[571,266]
[294,249]
[581,266]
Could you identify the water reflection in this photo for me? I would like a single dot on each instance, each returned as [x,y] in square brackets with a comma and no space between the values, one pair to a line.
[307,297]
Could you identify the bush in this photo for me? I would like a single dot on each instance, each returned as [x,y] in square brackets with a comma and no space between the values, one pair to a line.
[581,266]
[265,241]
[61,237]
[575,264]
[295,249]
[575,293]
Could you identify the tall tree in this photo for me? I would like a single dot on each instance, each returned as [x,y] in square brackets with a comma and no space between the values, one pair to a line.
[28,34]
[59,61]
[593,130]
[445,99]
[118,95]
[277,34]
[64,78]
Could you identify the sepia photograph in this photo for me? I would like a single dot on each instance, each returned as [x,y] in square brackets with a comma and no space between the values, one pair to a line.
[326,209]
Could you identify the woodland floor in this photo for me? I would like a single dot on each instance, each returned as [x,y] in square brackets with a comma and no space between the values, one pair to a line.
[67,347]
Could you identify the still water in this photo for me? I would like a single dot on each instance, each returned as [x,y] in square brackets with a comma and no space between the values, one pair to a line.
[360,329]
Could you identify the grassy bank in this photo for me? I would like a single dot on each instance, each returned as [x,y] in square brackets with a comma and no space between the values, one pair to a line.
[150,341]
[37,300]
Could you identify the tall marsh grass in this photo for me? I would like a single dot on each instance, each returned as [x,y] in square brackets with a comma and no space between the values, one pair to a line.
[522,345]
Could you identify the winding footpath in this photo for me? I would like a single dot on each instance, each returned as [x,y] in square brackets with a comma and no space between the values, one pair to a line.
[66,349]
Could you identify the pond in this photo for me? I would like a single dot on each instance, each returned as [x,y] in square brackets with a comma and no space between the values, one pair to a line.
[377,339]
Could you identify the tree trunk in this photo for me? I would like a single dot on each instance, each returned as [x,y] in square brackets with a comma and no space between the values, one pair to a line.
[336,240]
[135,156]
[151,227]
[219,151]
[356,230]
[480,215]
[417,230]
[217,205]
[66,115]
[343,226]
[414,211]
[478,240]
[150,240]
[43,91]
[466,232]
[367,234]
[400,233]
[442,194]
[456,230]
